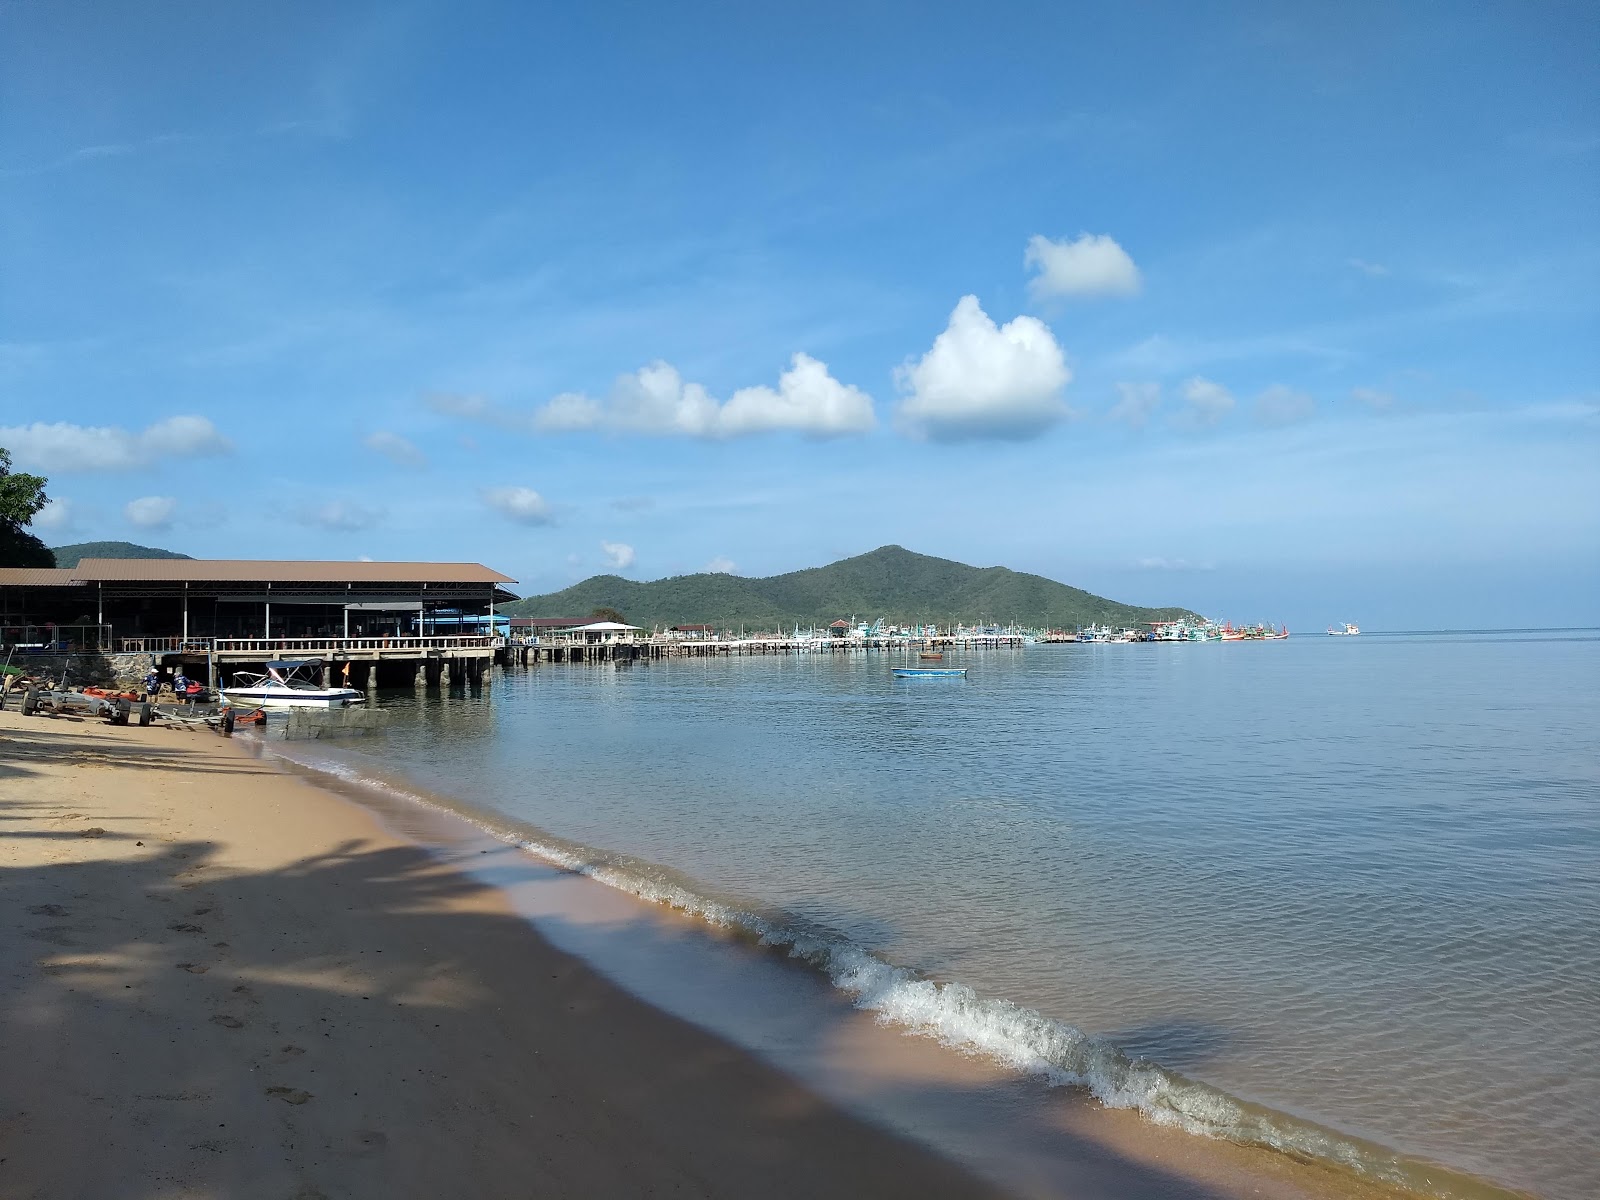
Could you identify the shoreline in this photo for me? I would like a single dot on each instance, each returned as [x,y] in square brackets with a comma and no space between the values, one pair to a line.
[291,891]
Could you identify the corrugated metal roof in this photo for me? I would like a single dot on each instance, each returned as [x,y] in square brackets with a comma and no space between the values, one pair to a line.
[36,577]
[232,570]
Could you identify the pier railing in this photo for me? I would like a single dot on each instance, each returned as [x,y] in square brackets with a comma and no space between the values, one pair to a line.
[272,647]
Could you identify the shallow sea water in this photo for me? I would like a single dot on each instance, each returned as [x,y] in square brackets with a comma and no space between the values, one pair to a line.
[1355,882]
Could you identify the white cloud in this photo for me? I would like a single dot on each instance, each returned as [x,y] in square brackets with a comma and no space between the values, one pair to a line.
[619,554]
[1373,398]
[1280,405]
[520,504]
[1093,265]
[721,566]
[981,381]
[395,448]
[151,512]
[341,516]
[657,400]
[55,516]
[63,446]
[1136,403]
[476,408]
[1174,564]
[1208,402]
[1375,270]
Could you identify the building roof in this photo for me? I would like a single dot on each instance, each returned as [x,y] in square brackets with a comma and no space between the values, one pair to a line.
[603,627]
[840,624]
[694,628]
[36,577]
[232,570]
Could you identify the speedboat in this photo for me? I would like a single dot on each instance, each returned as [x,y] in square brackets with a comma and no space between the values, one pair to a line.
[929,672]
[284,686]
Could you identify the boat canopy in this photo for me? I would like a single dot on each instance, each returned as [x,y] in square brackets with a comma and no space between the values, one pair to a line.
[294,665]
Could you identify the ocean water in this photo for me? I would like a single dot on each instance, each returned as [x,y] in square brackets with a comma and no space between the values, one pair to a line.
[1336,895]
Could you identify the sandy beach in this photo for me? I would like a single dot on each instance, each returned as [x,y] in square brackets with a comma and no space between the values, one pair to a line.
[220,980]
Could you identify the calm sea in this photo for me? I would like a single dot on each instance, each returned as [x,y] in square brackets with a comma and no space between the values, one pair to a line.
[1291,892]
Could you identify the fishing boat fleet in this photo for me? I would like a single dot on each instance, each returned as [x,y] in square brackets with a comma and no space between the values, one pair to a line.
[1174,631]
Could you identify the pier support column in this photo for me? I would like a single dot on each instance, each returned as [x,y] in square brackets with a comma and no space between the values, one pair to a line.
[421,677]
[327,675]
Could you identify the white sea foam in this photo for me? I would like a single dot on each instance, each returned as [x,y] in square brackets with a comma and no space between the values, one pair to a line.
[957,1016]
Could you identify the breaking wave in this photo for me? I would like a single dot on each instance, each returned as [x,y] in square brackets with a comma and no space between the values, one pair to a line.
[956,1015]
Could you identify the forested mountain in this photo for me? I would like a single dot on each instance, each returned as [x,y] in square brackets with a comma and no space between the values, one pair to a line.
[889,582]
[70,556]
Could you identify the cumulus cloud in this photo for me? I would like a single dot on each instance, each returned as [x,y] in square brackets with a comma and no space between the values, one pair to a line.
[1136,403]
[63,446]
[1375,270]
[619,555]
[1207,402]
[55,516]
[1093,265]
[978,380]
[1280,405]
[520,504]
[721,566]
[657,400]
[395,448]
[151,512]
[340,516]
[1373,398]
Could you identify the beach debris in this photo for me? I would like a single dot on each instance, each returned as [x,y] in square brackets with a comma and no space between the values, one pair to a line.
[289,1095]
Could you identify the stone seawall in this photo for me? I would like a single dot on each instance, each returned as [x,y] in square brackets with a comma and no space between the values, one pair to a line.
[102,670]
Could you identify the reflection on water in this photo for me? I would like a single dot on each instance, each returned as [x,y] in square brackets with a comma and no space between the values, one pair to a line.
[1353,879]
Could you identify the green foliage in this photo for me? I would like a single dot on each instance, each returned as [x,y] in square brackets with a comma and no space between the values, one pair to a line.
[71,556]
[603,613]
[889,582]
[21,497]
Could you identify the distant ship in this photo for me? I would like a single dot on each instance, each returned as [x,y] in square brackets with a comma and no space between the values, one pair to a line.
[1349,630]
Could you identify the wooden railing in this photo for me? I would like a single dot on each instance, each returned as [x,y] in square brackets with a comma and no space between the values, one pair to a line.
[325,645]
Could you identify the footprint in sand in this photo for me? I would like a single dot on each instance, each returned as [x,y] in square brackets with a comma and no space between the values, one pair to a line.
[289,1095]
[227,1022]
[192,968]
[48,910]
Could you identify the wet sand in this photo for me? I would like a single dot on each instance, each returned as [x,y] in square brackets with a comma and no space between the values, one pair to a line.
[218,980]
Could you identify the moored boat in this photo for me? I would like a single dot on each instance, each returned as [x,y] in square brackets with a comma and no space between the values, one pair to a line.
[283,686]
[1349,630]
[929,672]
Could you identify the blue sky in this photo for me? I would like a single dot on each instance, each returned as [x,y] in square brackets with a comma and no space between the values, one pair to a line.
[1274,311]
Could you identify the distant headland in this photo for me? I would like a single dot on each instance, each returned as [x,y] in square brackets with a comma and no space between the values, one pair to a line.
[890,582]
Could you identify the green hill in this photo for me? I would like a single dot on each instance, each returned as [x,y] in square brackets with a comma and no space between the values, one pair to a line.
[889,582]
[71,556]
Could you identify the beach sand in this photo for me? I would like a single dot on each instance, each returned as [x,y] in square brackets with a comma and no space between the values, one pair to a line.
[220,980]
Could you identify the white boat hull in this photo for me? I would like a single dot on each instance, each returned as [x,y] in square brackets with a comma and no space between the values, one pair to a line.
[279,697]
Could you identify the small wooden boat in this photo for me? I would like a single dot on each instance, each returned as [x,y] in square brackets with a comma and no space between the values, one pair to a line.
[931,656]
[929,672]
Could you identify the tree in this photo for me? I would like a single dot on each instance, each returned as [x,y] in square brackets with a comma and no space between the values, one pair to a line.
[21,497]
[609,614]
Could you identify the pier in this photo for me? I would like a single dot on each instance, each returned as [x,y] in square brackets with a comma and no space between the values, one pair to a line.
[573,648]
